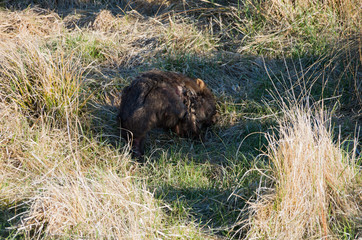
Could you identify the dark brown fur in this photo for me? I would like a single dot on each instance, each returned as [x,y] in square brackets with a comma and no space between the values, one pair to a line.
[168,100]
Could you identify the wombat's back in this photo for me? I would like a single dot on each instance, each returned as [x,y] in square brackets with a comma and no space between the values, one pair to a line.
[152,100]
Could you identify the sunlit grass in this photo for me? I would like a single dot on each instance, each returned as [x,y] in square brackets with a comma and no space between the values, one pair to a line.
[314,179]
[41,83]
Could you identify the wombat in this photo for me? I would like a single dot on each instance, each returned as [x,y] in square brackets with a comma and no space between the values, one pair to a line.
[168,100]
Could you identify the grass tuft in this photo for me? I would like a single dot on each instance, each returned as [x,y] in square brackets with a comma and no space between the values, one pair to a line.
[97,205]
[42,84]
[315,182]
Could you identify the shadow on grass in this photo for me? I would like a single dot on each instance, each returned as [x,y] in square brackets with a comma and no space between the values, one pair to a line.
[9,216]
[218,211]
[103,124]
[83,13]
[205,182]
[207,207]
[146,8]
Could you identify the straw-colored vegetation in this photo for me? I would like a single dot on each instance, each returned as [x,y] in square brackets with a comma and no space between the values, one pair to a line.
[315,181]
[283,162]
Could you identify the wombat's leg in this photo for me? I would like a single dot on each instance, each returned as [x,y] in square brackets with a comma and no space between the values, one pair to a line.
[137,142]
[138,147]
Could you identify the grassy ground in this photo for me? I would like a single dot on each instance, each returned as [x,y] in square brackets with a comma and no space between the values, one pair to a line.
[283,161]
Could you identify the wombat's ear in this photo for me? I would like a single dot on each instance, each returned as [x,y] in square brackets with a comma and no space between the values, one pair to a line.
[200,83]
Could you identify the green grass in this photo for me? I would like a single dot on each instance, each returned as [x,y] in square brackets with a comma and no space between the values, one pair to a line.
[91,49]
[199,190]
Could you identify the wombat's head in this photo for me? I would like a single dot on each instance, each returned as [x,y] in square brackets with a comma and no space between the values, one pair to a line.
[205,106]
[202,112]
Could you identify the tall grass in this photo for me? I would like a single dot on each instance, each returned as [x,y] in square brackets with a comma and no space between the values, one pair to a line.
[63,185]
[101,205]
[302,28]
[54,182]
[316,184]
[347,11]
[43,84]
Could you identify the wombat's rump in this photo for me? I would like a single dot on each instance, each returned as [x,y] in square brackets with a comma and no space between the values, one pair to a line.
[167,100]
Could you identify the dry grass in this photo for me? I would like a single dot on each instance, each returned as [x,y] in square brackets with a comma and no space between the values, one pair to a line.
[347,11]
[63,187]
[32,22]
[43,84]
[101,205]
[316,183]
[298,28]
